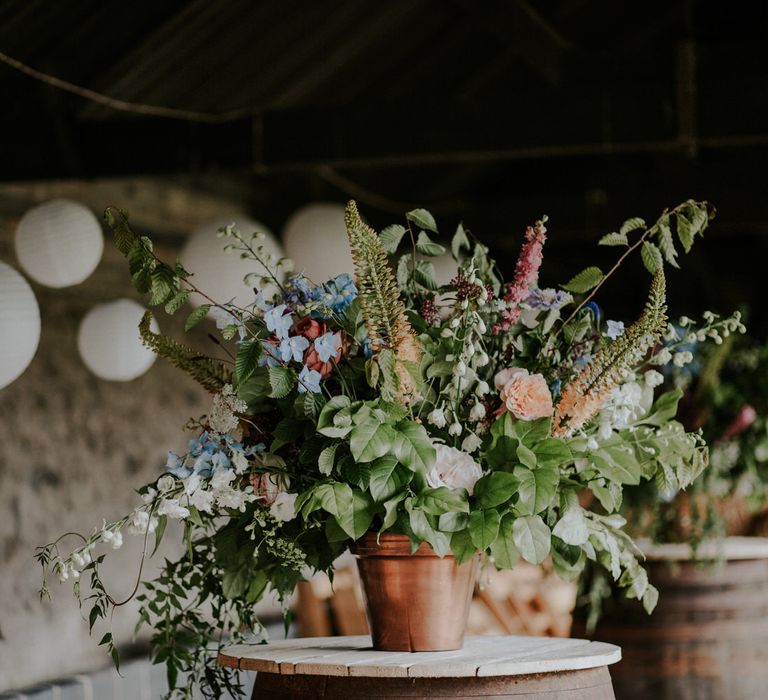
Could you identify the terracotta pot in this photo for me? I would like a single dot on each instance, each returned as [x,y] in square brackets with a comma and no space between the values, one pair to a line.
[414,602]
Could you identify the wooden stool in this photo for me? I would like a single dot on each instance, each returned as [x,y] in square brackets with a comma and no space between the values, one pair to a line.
[524,668]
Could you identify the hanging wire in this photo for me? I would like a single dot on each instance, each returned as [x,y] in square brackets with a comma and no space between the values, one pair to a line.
[123,105]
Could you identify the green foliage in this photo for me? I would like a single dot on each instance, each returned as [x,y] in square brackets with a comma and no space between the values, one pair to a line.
[206,371]
[584,281]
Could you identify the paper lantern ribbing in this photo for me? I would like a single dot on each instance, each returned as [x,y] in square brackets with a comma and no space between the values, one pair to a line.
[219,273]
[19,324]
[315,238]
[109,341]
[59,243]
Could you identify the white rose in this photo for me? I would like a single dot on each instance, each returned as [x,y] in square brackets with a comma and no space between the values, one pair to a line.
[284,507]
[454,469]
[165,483]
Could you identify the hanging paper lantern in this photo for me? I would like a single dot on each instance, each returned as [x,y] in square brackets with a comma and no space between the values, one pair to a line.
[109,341]
[315,238]
[220,273]
[19,324]
[59,243]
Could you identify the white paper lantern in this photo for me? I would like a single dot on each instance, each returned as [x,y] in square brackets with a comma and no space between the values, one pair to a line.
[219,273]
[315,238]
[109,341]
[59,243]
[19,324]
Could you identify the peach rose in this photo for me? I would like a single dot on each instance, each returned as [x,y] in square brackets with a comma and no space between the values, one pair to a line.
[310,328]
[526,396]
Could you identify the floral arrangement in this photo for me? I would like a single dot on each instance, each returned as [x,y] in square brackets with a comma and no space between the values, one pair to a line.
[477,416]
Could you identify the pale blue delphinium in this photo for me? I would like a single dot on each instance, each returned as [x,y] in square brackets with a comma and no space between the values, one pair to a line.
[547,299]
[309,380]
[293,348]
[269,355]
[327,346]
[175,465]
[278,321]
[339,293]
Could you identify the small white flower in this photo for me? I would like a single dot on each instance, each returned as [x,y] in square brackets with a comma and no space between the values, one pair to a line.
[460,369]
[239,461]
[283,508]
[455,429]
[202,499]
[446,333]
[682,358]
[149,496]
[234,498]
[477,412]
[222,479]
[653,378]
[614,330]
[685,321]
[482,388]
[454,469]
[662,357]
[112,537]
[437,418]
[470,443]
[480,326]
[455,322]
[481,359]
[141,523]
[165,483]
[172,508]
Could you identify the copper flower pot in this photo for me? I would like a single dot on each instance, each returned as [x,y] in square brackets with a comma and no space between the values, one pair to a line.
[414,602]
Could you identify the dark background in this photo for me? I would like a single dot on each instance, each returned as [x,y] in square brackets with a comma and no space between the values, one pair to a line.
[493,111]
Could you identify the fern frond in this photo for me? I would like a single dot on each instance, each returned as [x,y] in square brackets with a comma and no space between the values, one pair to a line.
[209,373]
[583,397]
[386,322]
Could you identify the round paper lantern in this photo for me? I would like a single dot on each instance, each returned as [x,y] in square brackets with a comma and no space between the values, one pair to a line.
[59,243]
[19,324]
[220,273]
[315,238]
[109,341]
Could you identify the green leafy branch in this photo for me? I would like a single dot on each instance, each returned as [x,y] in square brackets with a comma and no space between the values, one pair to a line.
[656,244]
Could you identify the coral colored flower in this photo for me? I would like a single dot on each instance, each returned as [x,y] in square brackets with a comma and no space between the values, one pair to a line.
[526,396]
[744,418]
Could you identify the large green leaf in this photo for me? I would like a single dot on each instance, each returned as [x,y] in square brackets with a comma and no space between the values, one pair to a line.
[552,453]
[494,489]
[462,546]
[387,478]
[423,529]
[437,501]
[503,550]
[282,381]
[484,527]
[572,526]
[247,359]
[335,498]
[356,520]
[426,246]
[413,447]
[325,422]
[422,218]
[532,538]
[537,488]
[585,280]
[371,440]
[391,236]
[326,459]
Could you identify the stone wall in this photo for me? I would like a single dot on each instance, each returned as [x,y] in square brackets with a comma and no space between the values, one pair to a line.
[72,450]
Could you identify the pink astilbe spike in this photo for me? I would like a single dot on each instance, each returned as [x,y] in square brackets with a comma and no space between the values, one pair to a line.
[526,275]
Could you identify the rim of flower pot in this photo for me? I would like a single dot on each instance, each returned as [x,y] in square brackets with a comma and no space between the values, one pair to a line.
[392,544]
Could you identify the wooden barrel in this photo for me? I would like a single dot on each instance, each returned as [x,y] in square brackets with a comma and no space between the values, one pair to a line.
[707,638]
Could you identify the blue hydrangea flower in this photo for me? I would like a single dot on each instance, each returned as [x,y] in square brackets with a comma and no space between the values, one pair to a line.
[278,321]
[327,345]
[309,380]
[293,348]
[614,329]
[339,293]
[219,461]
[298,289]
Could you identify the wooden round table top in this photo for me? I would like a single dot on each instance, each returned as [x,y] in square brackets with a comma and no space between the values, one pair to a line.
[481,657]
